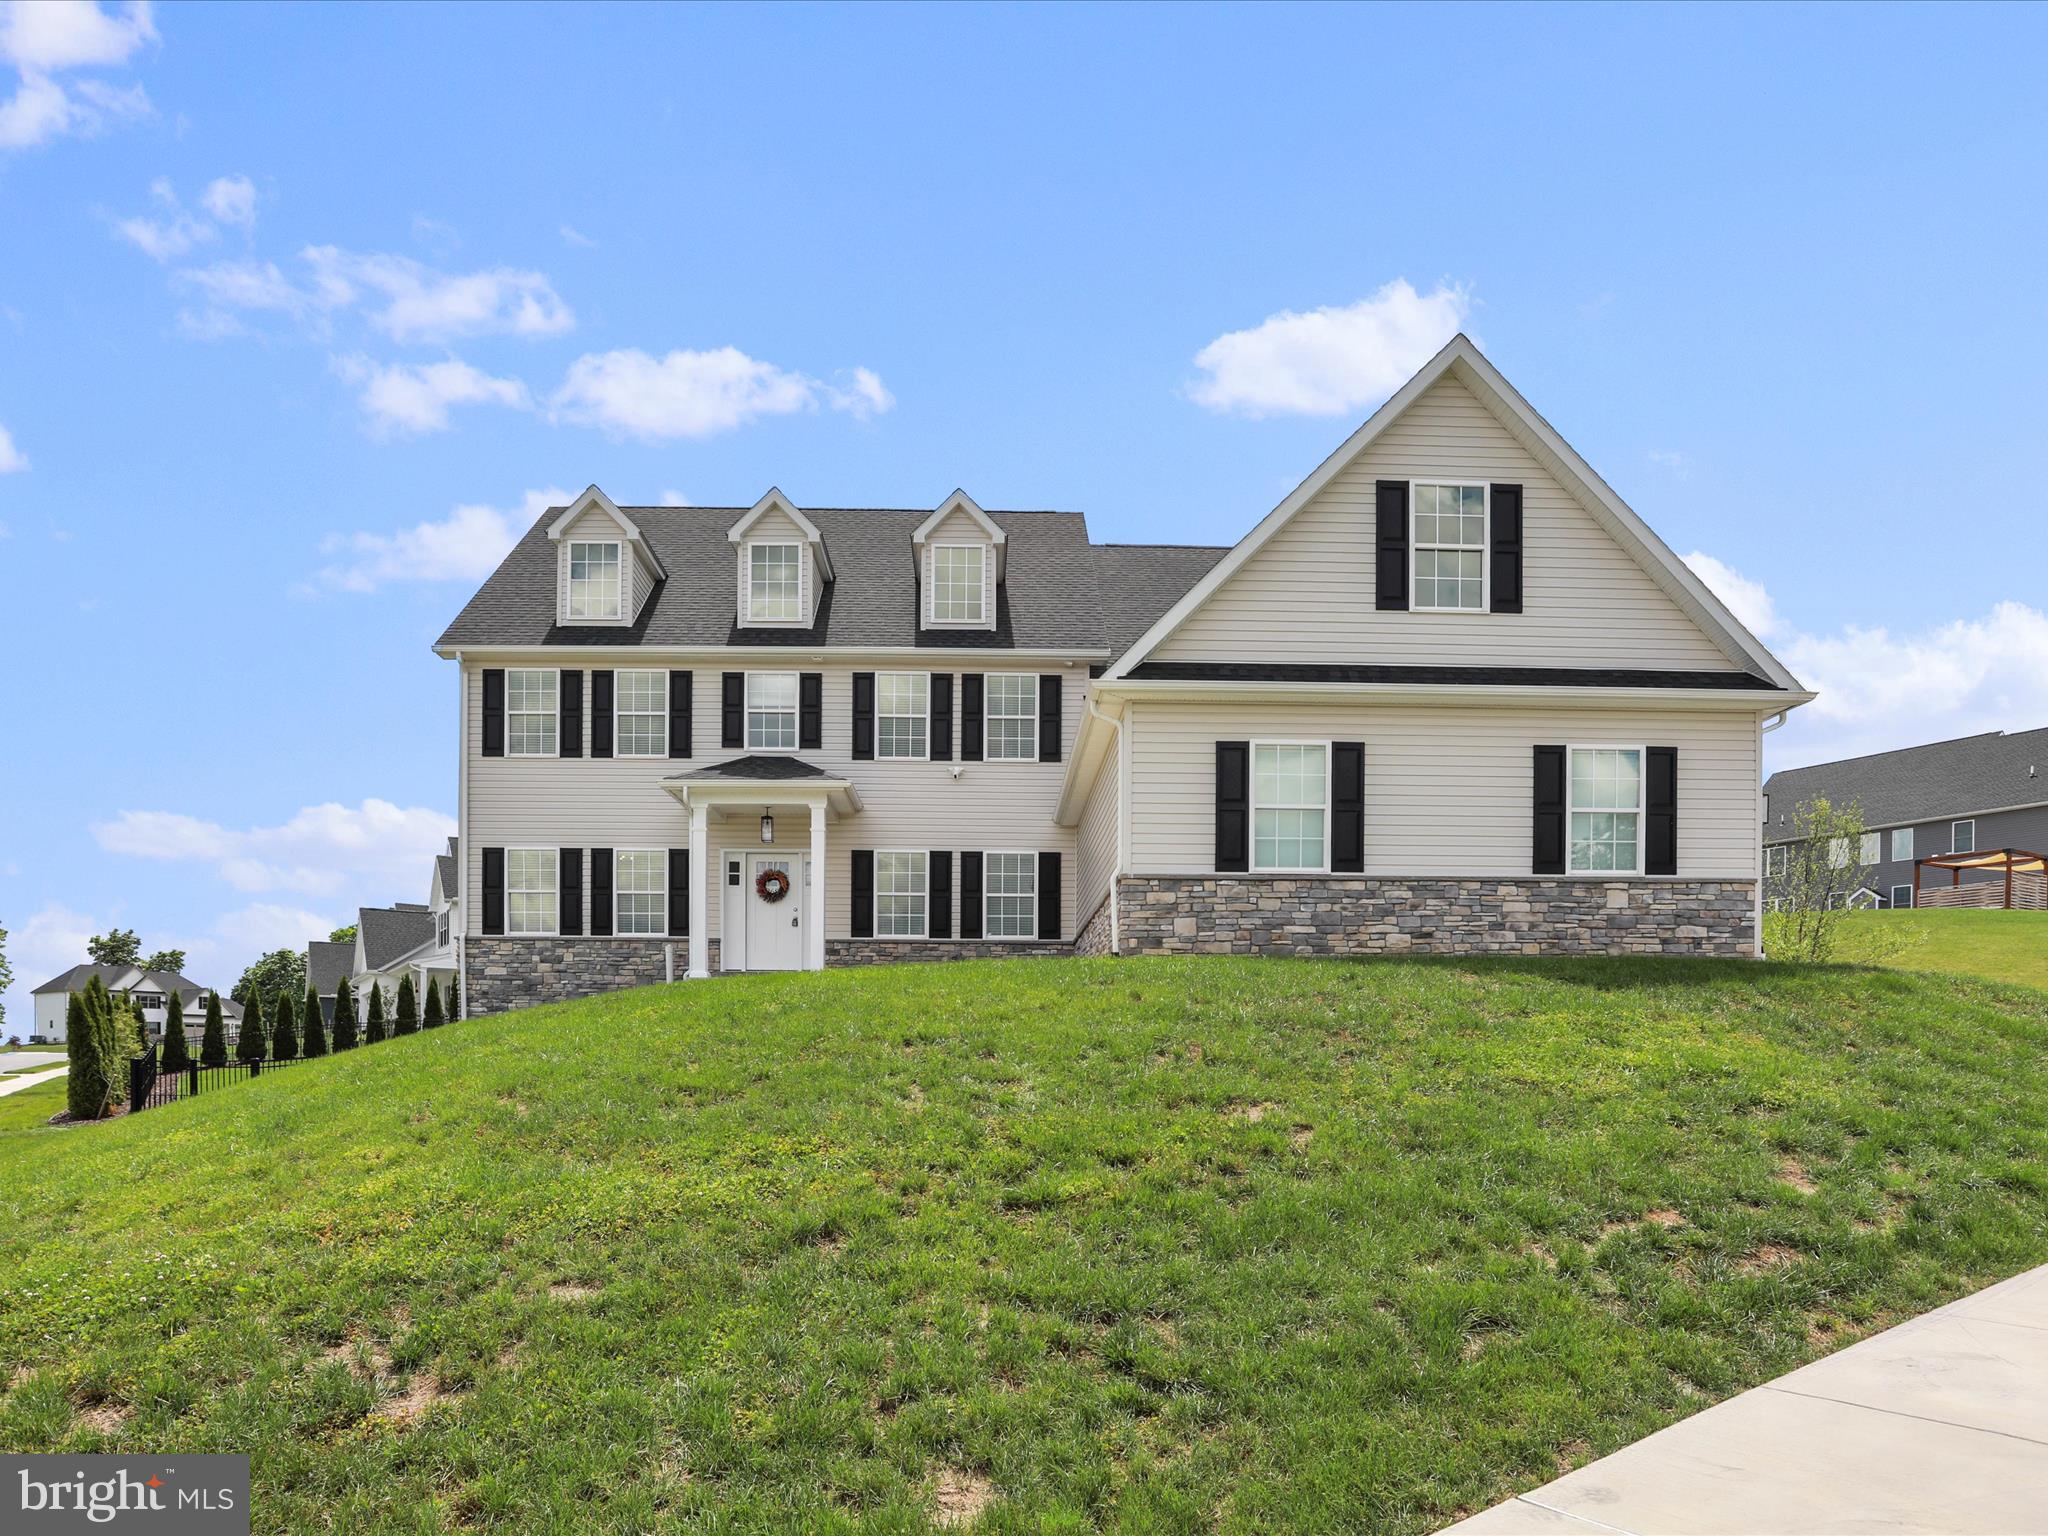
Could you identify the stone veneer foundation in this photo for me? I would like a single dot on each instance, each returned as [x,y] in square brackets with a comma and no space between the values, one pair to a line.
[1340,915]
[1097,936]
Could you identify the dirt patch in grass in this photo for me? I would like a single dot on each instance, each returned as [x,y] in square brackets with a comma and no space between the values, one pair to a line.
[1572,1455]
[572,1291]
[1665,1219]
[366,1359]
[1252,1114]
[1791,1172]
[1767,1258]
[419,1398]
[1301,1136]
[105,1418]
[958,1498]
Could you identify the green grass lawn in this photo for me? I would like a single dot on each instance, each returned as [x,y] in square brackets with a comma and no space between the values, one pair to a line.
[29,1107]
[1158,1245]
[1998,946]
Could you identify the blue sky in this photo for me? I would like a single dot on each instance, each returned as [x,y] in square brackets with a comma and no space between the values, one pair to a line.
[301,309]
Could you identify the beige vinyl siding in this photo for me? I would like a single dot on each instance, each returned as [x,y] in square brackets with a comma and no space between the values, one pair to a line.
[1307,596]
[620,802]
[1447,789]
[1096,837]
[776,526]
[598,526]
[957,527]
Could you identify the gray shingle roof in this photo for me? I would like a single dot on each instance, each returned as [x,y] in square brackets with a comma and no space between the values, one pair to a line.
[1049,599]
[327,963]
[1940,780]
[389,932]
[151,981]
[746,768]
[1140,582]
[444,866]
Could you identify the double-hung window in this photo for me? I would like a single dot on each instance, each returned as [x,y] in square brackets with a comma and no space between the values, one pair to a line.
[1962,837]
[532,894]
[1774,861]
[1902,895]
[1010,895]
[1902,845]
[902,714]
[640,891]
[1872,849]
[771,711]
[641,709]
[529,712]
[775,582]
[1011,702]
[900,895]
[595,591]
[1449,547]
[1290,805]
[958,595]
[1606,811]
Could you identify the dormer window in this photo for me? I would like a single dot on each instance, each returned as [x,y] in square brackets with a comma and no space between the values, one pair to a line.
[959,584]
[774,583]
[1450,547]
[595,590]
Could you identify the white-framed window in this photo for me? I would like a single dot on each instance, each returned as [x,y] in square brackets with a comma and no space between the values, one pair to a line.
[595,588]
[530,711]
[1290,805]
[771,711]
[1009,895]
[533,891]
[640,713]
[1448,547]
[1902,895]
[640,891]
[1902,845]
[1010,712]
[903,714]
[900,890]
[775,582]
[1872,849]
[1774,861]
[1606,810]
[959,594]
[1962,837]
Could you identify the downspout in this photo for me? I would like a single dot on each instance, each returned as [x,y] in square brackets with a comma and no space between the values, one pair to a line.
[1763,729]
[1088,700]
[461,924]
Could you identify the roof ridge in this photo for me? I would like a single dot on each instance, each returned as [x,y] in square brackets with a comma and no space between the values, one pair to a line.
[1920,746]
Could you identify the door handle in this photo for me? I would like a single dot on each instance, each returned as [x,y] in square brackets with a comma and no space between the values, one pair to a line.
[792,922]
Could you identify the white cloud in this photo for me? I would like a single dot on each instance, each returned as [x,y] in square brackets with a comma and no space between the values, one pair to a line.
[43,40]
[49,943]
[263,926]
[171,234]
[674,499]
[321,850]
[1746,599]
[231,200]
[1329,361]
[407,397]
[249,285]
[421,304]
[12,459]
[697,394]
[574,236]
[465,546]
[1678,462]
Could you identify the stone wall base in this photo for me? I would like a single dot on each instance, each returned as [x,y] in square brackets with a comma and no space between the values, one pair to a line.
[504,973]
[1096,936]
[1351,915]
[888,951]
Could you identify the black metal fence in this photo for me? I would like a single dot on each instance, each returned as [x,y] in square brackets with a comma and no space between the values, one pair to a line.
[148,1086]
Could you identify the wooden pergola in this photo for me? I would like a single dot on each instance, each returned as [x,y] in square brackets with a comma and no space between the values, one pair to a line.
[2025,883]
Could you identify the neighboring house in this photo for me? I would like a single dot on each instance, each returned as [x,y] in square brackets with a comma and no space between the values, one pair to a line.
[1974,795]
[1451,695]
[152,989]
[390,943]
[326,964]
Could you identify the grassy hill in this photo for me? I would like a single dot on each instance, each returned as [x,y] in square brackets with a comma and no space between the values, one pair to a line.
[1071,1245]
[1998,946]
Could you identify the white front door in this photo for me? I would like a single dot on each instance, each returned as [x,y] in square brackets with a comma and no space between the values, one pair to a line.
[775,929]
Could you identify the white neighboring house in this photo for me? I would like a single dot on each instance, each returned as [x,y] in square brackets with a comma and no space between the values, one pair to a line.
[152,989]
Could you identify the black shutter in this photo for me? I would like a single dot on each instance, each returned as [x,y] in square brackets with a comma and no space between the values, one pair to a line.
[679,891]
[1390,544]
[861,898]
[1347,807]
[970,717]
[1507,549]
[938,907]
[732,730]
[1547,795]
[942,717]
[600,714]
[494,711]
[570,892]
[1049,896]
[1049,718]
[494,890]
[810,711]
[679,700]
[601,892]
[1660,805]
[571,714]
[863,716]
[970,895]
[1233,805]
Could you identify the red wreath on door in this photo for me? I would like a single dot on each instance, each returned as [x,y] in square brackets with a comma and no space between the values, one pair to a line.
[771,885]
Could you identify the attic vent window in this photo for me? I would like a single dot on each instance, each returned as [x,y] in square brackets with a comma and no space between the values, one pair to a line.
[594,590]
[775,581]
[957,583]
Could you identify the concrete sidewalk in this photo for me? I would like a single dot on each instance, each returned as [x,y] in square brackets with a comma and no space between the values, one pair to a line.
[21,1080]
[1938,1425]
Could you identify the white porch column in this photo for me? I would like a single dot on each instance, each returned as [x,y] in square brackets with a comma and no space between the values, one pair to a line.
[700,878]
[815,895]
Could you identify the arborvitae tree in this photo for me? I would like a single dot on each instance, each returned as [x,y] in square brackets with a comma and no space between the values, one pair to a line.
[130,1022]
[213,1043]
[373,1023]
[176,1057]
[455,997]
[110,1034]
[344,1016]
[86,1093]
[408,1008]
[252,1044]
[315,1032]
[433,1018]
[284,1034]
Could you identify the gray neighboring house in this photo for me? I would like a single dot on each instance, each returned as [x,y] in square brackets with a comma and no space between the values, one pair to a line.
[387,941]
[326,964]
[152,989]
[1974,794]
